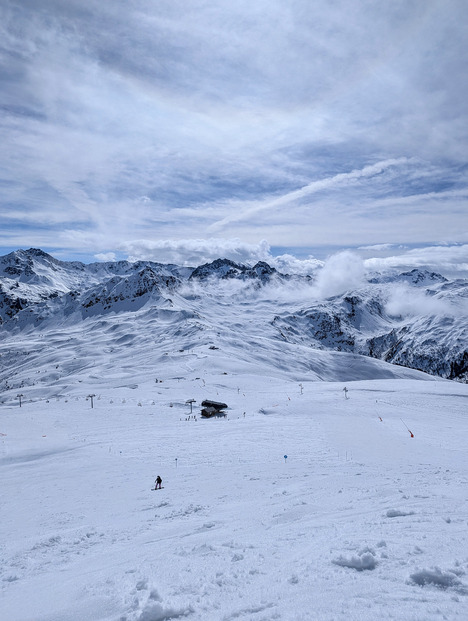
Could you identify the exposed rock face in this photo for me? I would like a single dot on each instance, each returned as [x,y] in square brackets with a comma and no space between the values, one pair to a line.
[411,347]
[321,328]
[435,343]
[225,269]
[136,288]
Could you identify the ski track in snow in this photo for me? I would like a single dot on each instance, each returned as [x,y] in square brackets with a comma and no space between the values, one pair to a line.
[359,522]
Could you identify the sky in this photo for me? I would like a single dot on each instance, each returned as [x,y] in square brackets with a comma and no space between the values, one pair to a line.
[184,131]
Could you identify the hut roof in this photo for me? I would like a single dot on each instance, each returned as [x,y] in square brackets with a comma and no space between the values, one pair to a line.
[207,403]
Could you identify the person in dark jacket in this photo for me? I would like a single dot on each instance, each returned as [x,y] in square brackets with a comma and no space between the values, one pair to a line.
[158,483]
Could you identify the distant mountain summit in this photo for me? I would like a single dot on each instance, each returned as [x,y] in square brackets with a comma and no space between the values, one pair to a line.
[415,277]
[255,310]
[224,268]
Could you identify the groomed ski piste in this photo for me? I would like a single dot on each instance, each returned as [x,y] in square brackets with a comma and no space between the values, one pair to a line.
[306,502]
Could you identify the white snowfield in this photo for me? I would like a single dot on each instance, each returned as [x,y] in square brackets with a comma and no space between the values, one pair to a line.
[307,502]
[361,521]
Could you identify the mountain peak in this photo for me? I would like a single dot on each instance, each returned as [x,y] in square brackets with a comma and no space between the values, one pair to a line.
[225,268]
[222,268]
[422,277]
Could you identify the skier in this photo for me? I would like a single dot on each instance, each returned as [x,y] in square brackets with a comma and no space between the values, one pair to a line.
[158,482]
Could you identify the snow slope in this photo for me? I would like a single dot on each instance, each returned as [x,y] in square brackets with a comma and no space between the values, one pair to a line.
[359,521]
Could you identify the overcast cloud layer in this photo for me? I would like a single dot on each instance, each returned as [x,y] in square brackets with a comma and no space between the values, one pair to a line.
[146,129]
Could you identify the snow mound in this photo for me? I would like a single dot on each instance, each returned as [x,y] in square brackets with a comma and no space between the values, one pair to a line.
[156,612]
[392,513]
[438,578]
[365,560]
[154,609]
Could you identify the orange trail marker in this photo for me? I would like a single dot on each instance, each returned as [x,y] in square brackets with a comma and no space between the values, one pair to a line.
[410,432]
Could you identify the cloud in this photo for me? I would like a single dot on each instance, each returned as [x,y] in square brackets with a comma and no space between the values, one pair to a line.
[289,264]
[407,301]
[193,252]
[301,123]
[305,192]
[106,256]
[341,272]
[378,247]
[451,260]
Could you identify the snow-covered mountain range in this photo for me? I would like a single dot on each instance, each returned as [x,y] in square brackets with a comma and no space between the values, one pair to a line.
[340,499]
[417,319]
